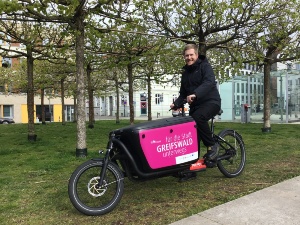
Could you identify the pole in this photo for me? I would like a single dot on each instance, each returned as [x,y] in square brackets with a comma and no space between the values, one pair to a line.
[281,99]
[287,98]
[124,108]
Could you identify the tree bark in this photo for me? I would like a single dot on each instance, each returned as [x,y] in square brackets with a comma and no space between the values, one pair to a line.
[81,149]
[149,97]
[75,108]
[118,102]
[62,87]
[91,97]
[130,85]
[43,106]
[267,97]
[30,96]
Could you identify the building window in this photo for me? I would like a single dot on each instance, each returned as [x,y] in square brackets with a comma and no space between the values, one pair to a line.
[8,111]
[174,97]
[157,99]
[237,88]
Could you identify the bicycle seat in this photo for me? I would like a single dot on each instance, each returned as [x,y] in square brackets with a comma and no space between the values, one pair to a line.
[218,114]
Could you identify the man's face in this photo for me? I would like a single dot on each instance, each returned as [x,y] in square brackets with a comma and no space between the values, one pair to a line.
[190,57]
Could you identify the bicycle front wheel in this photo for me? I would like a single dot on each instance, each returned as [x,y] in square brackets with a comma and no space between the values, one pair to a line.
[85,193]
[232,155]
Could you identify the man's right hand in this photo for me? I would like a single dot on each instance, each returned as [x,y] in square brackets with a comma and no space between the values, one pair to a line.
[190,98]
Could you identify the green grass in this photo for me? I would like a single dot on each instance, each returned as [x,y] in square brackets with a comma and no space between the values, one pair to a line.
[34,176]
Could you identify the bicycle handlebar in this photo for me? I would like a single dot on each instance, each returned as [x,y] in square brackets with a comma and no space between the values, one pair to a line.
[181,105]
[175,107]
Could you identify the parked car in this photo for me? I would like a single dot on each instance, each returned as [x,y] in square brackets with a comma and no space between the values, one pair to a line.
[6,120]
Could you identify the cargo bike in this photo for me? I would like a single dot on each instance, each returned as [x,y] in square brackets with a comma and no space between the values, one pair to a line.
[149,150]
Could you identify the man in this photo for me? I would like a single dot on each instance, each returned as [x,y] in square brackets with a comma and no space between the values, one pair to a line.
[198,87]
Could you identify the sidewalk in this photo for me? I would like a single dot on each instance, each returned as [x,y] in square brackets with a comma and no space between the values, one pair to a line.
[278,204]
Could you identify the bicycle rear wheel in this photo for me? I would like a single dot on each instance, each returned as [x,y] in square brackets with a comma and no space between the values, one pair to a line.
[232,155]
[89,198]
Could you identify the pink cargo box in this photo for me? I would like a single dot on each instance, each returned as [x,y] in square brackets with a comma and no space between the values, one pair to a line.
[162,143]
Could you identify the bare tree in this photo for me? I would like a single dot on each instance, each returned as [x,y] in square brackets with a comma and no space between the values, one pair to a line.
[275,40]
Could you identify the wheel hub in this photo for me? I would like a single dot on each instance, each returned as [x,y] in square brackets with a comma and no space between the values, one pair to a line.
[94,189]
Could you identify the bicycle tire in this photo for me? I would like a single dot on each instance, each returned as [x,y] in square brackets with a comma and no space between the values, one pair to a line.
[89,199]
[232,157]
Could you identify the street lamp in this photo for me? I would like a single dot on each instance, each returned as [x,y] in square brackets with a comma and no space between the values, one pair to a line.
[288,69]
[281,99]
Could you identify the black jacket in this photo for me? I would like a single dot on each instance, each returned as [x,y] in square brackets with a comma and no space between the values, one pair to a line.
[199,79]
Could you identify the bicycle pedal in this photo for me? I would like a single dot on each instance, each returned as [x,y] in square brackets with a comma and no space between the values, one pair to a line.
[210,164]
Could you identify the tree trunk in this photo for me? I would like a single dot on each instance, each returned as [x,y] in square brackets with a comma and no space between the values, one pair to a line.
[91,97]
[118,102]
[81,148]
[75,109]
[43,106]
[267,97]
[30,96]
[201,45]
[149,97]
[62,87]
[130,87]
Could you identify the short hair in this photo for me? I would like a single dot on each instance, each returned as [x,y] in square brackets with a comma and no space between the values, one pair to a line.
[191,46]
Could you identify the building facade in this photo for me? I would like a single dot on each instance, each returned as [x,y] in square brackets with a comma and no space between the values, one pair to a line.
[15,106]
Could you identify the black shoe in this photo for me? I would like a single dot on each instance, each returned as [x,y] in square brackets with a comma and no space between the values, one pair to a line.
[188,176]
[213,153]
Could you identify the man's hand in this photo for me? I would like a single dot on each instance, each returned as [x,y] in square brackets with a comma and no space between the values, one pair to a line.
[190,98]
[172,106]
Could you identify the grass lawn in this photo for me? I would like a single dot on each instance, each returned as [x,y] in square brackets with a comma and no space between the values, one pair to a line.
[34,176]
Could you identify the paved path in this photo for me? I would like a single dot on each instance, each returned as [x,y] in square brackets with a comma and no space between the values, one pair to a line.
[275,205]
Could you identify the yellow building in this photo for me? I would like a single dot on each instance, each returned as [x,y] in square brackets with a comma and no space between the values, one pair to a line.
[15,106]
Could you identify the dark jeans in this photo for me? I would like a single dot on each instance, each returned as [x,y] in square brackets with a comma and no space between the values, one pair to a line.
[202,115]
